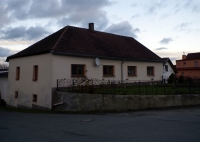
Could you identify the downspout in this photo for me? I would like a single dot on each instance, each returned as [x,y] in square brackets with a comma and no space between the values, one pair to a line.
[122,71]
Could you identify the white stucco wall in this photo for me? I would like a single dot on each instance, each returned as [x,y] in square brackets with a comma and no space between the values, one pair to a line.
[25,86]
[62,68]
[166,74]
[3,87]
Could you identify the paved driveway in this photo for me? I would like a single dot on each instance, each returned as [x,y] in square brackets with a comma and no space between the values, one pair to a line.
[174,125]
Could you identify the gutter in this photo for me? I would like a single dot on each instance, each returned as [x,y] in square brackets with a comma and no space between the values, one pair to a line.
[122,71]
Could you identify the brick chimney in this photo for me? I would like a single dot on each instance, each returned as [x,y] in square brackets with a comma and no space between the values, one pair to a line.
[91,26]
[183,56]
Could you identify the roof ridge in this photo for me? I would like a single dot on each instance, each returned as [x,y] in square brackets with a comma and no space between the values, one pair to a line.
[59,38]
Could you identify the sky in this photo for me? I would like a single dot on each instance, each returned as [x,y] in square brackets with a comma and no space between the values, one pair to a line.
[169,28]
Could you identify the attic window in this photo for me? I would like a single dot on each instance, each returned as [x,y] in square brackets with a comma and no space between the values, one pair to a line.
[196,63]
[184,63]
[35,73]
[17,73]
[166,67]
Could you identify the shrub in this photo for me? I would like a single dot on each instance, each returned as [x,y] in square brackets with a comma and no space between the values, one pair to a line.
[171,78]
[181,79]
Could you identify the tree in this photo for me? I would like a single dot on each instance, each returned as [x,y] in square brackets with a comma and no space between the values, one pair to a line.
[3,66]
[171,78]
[181,79]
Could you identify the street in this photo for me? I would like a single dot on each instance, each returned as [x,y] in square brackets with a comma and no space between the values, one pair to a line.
[170,125]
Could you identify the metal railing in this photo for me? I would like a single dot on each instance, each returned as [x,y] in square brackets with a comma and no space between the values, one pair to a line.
[127,87]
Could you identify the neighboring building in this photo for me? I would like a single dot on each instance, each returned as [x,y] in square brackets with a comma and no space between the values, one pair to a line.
[189,66]
[76,52]
[168,69]
[3,84]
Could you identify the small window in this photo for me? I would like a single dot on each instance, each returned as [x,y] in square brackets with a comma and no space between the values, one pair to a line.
[77,70]
[16,94]
[150,70]
[131,70]
[17,73]
[196,63]
[34,98]
[166,67]
[108,70]
[35,73]
[184,63]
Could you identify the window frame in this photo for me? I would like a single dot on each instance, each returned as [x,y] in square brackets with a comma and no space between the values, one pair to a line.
[35,72]
[107,70]
[135,70]
[196,64]
[153,71]
[17,73]
[77,70]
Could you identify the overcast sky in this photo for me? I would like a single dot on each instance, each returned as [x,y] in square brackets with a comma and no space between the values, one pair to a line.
[167,27]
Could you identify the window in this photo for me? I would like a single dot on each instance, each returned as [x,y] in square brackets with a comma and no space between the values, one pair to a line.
[34,98]
[77,70]
[150,70]
[16,94]
[35,73]
[108,70]
[17,73]
[131,70]
[196,63]
[166,67]
[184,63]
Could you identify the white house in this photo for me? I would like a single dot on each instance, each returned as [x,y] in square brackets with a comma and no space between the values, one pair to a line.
[3,84]
[76,52]
[168,69]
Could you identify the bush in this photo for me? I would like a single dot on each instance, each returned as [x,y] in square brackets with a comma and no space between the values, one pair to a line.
[181,79]
[171,78]
[189,80]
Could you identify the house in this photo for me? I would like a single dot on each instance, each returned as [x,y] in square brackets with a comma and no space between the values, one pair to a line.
[168,69]
[3,85]
[76,52]
[189,65]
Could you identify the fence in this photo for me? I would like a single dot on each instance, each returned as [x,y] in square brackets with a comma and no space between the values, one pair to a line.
[127,87]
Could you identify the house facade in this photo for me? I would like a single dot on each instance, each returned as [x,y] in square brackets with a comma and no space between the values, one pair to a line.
[189,65]
[3,84]
[168,69]
[76,52]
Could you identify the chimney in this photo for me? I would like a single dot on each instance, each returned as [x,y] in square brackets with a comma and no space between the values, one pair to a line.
[91,26]
[183,56]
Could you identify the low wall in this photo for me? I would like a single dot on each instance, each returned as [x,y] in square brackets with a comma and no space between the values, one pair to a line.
[100,102]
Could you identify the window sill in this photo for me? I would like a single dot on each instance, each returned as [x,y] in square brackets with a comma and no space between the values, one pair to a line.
[132,75]
[150,75]
[108,76]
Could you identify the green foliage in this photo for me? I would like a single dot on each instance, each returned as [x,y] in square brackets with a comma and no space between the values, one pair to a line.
[181,79]
[171,78]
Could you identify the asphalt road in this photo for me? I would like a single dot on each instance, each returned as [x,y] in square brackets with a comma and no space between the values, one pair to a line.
[172,125]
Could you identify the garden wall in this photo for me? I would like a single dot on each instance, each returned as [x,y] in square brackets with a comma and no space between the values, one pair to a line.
[67,101]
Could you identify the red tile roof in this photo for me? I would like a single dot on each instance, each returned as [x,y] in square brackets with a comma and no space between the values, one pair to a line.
[83,42]
[193,56]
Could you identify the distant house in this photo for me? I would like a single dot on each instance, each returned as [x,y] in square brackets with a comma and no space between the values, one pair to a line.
[168,69]
[76,52]
[189,65]
[3,84]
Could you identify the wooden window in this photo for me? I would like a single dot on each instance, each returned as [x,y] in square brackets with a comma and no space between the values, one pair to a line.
[150,70]
[34,98]
[196,63]
[184,63]
[17,73]
[16,94]
[77,70]
[35,73]
[132,71]
[166,67]
[108,70]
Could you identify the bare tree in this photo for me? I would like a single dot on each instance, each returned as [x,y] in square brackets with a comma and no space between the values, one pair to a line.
[3,66]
